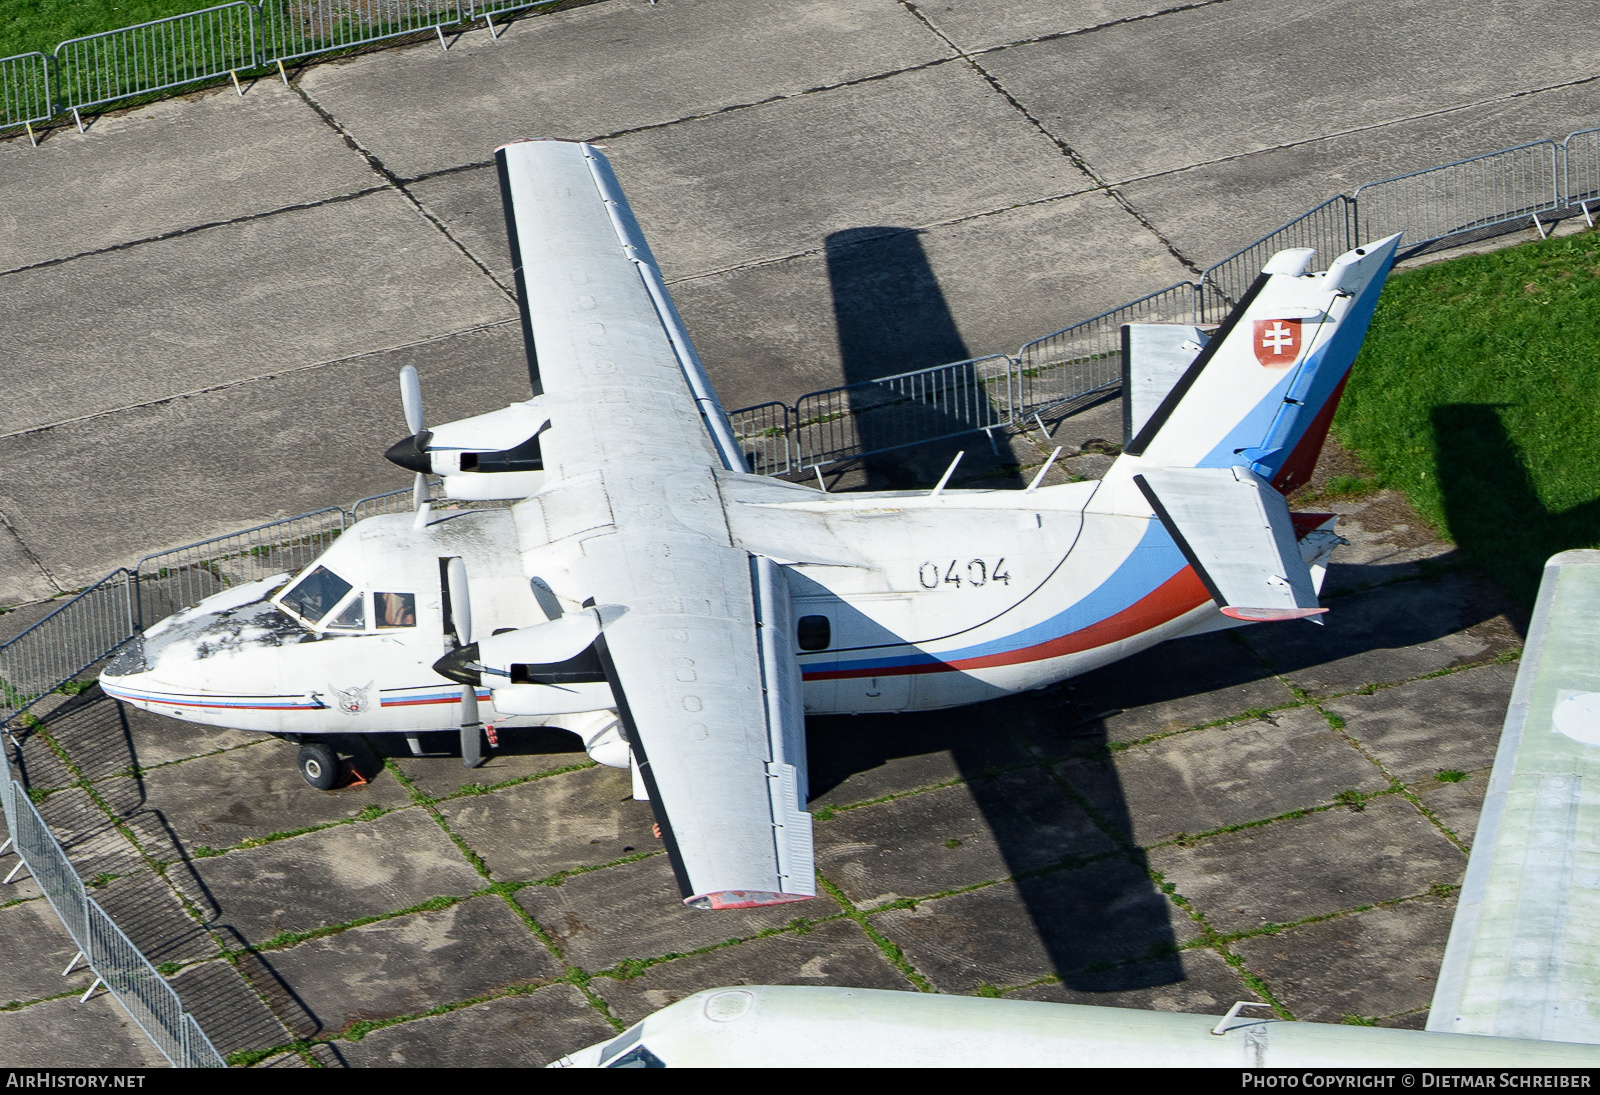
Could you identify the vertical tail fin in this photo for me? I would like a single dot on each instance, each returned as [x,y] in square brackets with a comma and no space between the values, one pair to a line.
[1263,390]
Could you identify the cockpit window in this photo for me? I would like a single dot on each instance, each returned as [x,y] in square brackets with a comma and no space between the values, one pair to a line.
[315,595]
[395,609]
[638,1057]
[353,618]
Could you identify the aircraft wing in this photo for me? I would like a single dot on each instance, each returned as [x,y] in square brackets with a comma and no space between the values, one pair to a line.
[1523,959]
[697,631]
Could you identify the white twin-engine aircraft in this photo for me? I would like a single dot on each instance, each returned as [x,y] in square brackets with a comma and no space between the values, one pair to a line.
[682,615]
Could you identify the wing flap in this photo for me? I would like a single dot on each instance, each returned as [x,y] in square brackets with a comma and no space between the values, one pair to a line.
[698,695]
[1237,533]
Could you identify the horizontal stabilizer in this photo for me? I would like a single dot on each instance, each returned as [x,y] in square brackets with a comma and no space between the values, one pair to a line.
[1236,532]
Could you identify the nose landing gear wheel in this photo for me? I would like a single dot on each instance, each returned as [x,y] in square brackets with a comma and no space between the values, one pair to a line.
[319,765]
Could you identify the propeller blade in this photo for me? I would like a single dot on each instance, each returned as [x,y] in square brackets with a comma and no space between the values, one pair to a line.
[411,398]
[419,491]
[471,728]
[460,601]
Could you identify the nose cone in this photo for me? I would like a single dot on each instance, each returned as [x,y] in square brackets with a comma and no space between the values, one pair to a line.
[412,453]
[128,662]
[203,665]
[128,677]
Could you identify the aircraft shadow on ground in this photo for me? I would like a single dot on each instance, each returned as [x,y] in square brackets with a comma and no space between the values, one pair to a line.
[1029,764]
[1492,505]
[892,318]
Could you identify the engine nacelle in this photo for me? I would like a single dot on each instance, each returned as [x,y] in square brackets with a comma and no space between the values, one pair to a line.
[552,643]
[494,455]
[550,668]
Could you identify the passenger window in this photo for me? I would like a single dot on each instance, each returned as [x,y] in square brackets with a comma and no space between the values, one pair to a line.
[395,609]
[814,633]
[315,595]
[353,618]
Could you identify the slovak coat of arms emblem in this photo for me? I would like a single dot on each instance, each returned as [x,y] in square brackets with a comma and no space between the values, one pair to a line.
[1277,342]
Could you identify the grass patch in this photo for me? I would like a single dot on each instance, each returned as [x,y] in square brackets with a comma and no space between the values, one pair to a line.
[1474,395]
[27,25]
[1450,775]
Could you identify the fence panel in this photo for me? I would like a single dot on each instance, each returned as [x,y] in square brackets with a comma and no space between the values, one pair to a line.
[25,90]
[143,993]
[1329,229]
[1510,185]
[896,411]
[117,64]
[181,577]
[1087,357]
[401,501]
[66,642]
[394,501]
[1581,167]
[289,29]
[763,432]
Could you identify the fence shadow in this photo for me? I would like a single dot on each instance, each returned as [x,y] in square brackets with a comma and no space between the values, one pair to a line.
[892,318]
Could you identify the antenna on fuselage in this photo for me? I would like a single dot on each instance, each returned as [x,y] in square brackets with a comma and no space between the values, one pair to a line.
[948,472]
[1037,479]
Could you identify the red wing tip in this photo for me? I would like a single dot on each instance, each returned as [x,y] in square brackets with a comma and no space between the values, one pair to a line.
[1266,615]
[743,899]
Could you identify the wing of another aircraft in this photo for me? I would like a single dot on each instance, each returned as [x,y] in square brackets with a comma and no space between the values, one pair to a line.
[695,641]
[1523,960]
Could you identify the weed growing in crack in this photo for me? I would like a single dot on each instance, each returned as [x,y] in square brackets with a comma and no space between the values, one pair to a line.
[1352,800]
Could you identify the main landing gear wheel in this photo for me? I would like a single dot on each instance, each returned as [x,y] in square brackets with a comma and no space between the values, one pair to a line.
[319,765]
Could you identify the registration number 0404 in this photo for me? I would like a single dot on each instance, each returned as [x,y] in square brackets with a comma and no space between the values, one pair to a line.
[973,574]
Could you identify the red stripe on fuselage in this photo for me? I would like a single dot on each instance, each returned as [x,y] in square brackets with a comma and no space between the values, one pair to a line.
[1183,592]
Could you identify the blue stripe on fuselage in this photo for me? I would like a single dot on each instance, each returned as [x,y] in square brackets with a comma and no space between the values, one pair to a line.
[1153,561]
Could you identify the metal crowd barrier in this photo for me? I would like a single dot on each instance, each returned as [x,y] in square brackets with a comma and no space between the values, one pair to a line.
[25,92]
[165,53]
[117,964]
[1580,179]
[1512,185]
[69,640]
[216,42]
[1453,203]
[897,411]
[1329,229]
[764,433]
[288,30]
[1086,357]
[180,577]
